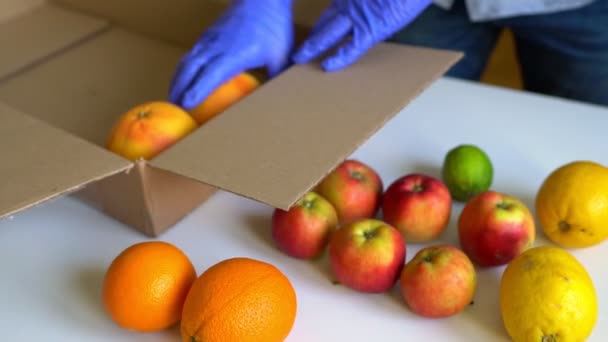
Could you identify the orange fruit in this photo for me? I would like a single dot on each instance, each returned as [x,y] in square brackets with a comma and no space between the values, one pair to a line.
[572,204]
[224,96]
[146,130]
[240,300]
[145,286]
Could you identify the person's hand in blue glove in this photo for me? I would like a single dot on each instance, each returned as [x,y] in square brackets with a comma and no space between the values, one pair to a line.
[364,22]
[250,34]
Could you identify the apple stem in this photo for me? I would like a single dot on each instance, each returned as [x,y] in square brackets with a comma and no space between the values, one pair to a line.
[430,255]
[356,175]
[503,205]
[307,204]
[417,188]
[564,226]
[368,234]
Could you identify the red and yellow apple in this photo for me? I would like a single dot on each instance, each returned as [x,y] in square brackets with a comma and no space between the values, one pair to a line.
[354,189]
[419,206]
[494,227]
[147,129]
[224,96]
[439,281]
[367,255]
[304,230]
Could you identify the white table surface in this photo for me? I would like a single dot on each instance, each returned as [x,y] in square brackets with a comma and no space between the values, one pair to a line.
[53,257]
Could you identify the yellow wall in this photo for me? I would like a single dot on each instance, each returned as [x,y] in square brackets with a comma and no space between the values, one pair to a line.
[503,69]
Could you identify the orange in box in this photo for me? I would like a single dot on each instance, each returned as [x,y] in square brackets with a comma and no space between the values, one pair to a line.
[148,129]
[224,96]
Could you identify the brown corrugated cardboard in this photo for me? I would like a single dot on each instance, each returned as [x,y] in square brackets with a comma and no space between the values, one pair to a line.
[12,8]
[36,166]
[272,146]
[146,198]
[27,38]
[178,21]
[99,79]
[170,197]
[317,121]
[122,196]
[86,88]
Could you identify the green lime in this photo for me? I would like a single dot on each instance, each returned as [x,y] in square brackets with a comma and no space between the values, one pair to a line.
[467,171]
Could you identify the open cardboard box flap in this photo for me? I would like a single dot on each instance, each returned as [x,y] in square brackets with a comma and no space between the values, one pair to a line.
[272,146]
[276,144]
[47,161]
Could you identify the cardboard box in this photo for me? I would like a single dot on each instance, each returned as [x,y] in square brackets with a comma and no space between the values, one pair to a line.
[189,17]
[68,69]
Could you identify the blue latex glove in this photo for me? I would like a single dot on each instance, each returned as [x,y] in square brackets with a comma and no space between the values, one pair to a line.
[250,34]
[365,22]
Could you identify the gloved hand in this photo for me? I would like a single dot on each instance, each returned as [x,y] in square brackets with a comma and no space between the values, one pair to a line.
[250,34]
[367,22]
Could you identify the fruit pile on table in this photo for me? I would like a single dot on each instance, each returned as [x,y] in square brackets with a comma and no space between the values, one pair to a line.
[364,228]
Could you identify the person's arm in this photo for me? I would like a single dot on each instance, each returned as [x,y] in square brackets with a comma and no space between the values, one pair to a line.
[250,34]
[364,22]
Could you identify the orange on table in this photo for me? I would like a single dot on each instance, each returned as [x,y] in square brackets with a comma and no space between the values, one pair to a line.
[241,300]
[224,96]
[145,286]
[148,129]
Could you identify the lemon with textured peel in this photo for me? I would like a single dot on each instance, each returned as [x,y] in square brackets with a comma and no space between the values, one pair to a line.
[572,204]
[546,295]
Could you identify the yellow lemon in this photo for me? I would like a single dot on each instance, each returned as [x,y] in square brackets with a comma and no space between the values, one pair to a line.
[546,295]
[572,204]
